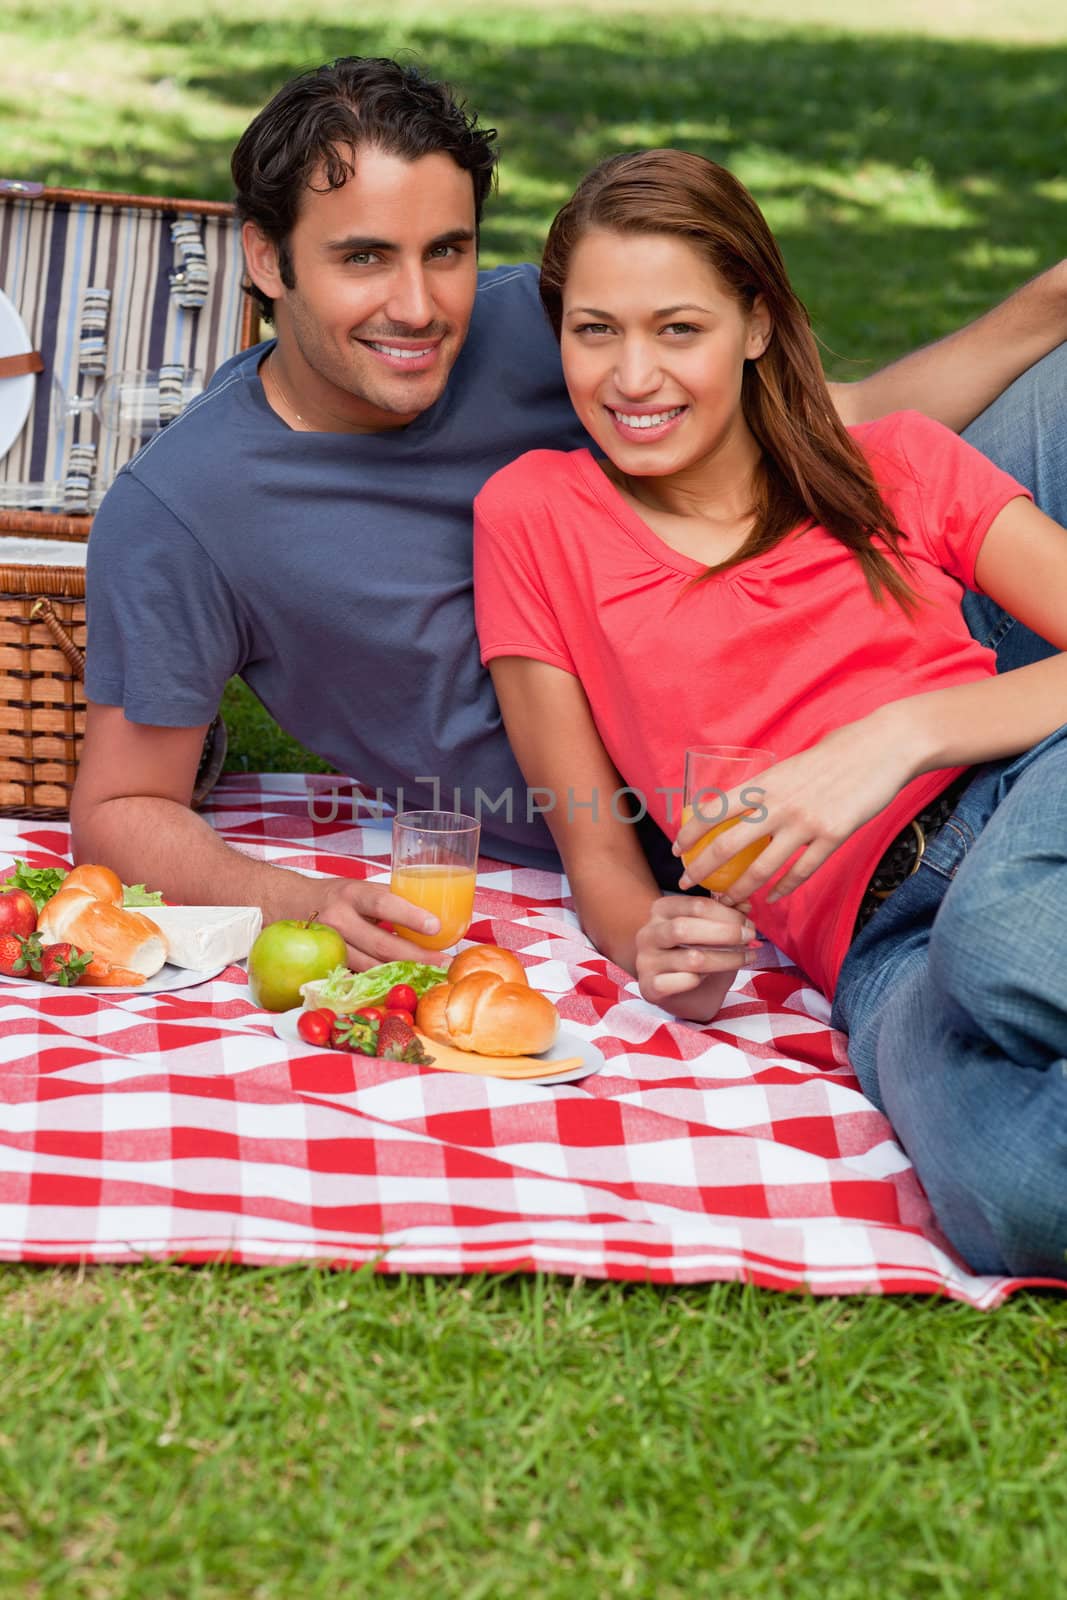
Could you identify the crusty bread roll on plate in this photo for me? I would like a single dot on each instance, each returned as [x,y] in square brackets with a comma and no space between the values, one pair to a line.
[87,911]
[487,958]
[486,1006]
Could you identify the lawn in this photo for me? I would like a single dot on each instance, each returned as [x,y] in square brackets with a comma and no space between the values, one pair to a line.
[219,1434]
[213,1434]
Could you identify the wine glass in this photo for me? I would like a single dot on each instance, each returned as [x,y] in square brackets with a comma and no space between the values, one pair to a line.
[134,404]
[434,866]
[711,772]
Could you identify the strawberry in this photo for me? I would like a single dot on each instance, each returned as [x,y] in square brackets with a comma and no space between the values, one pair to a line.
[355,1033]
[19,957]
[63,964]
[397,1041]
[394,1034]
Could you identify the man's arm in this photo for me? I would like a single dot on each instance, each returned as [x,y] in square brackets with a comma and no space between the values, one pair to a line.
[955,379]
[130,811]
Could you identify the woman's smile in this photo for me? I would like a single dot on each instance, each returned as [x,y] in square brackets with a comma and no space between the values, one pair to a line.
[645,427]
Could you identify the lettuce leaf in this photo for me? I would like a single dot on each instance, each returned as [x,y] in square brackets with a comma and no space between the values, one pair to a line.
[135,894]
[40,883]
[345,991]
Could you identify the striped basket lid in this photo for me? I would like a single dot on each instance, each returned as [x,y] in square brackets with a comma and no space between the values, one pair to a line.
[174,280]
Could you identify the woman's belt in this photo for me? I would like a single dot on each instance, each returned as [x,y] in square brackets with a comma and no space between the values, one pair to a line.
[904,855]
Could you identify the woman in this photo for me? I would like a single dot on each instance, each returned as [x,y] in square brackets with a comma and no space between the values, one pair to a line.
[739,568]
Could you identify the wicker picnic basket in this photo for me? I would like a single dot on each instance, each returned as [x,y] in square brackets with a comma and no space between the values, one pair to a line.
[103,283]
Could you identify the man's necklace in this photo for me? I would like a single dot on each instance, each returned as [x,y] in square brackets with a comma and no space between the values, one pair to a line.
[284,398]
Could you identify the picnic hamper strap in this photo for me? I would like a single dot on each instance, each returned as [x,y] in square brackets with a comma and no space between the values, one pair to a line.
[213,753]
[16,188]
[18,366]
[43,611]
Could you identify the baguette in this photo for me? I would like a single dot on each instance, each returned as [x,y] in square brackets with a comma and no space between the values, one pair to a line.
[88,912]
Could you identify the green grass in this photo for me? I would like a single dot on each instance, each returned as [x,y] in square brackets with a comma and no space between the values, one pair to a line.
[216,1434]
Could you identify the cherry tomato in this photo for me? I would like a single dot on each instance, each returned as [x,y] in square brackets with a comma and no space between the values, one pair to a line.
[402,997]
[314,1027]
[405,1016]
[371,1013]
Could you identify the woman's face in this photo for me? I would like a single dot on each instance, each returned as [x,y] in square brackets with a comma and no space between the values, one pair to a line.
[654,348]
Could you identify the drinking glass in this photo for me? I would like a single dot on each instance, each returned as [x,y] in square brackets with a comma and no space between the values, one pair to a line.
[133,403]
[711,771]
[435,860]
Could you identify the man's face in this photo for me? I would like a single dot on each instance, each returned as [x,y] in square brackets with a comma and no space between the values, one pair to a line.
[385,273]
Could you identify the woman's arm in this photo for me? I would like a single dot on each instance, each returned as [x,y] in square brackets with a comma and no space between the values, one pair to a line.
[955,379]
[685,952]
[817,799]
[1022,565]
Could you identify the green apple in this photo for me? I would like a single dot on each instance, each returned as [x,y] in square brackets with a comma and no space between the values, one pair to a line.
[287,954]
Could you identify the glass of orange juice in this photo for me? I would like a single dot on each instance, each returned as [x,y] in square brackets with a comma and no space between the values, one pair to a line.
[435,861]
[711,771]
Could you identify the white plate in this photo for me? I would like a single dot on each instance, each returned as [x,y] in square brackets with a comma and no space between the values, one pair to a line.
[565,1047]
[166,981]
[16,394]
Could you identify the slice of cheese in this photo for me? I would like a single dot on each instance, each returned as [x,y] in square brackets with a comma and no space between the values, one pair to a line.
[449,1059]
[200,937]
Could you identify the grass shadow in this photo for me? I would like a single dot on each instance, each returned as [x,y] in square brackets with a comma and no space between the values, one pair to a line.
[911,181]
[911,173]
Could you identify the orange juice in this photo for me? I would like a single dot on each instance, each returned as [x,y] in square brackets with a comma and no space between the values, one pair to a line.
[732,869]
[447,892]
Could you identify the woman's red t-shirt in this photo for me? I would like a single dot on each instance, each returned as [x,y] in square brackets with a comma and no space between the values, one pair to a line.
[775,652]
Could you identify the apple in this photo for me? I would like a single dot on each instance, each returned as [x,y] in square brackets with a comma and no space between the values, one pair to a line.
[18,914]
[287,954]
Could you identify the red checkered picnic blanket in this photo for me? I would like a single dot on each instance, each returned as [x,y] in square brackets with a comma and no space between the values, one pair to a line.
[177,1125]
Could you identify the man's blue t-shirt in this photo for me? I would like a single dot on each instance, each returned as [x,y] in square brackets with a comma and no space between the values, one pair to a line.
[332,572]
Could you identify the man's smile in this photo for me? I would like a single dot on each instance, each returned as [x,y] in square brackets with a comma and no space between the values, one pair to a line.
[404,357]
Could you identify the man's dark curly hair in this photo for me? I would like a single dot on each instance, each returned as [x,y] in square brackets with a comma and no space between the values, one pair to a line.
[320,118]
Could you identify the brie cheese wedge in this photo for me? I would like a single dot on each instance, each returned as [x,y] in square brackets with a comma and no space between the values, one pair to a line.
[200,937]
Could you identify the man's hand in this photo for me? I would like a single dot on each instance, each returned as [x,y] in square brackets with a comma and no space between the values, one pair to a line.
[365,915]
[688,953]
[955,379]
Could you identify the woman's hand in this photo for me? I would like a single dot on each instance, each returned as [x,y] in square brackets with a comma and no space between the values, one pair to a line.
[688,952]
[811,802]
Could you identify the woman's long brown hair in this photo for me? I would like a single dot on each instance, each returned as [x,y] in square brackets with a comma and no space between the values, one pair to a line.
[811,472]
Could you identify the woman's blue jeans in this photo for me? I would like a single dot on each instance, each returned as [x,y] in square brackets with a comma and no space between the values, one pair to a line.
[954,995]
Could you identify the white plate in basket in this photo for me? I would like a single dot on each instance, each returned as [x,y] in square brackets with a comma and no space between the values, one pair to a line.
[566,1046]
[16,394]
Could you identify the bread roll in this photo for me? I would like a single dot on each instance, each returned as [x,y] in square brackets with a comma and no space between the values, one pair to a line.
[430,1013]
[488,1016]
[88,912]
[487,958]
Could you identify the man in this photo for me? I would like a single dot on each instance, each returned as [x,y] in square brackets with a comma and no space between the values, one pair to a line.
[307,522]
